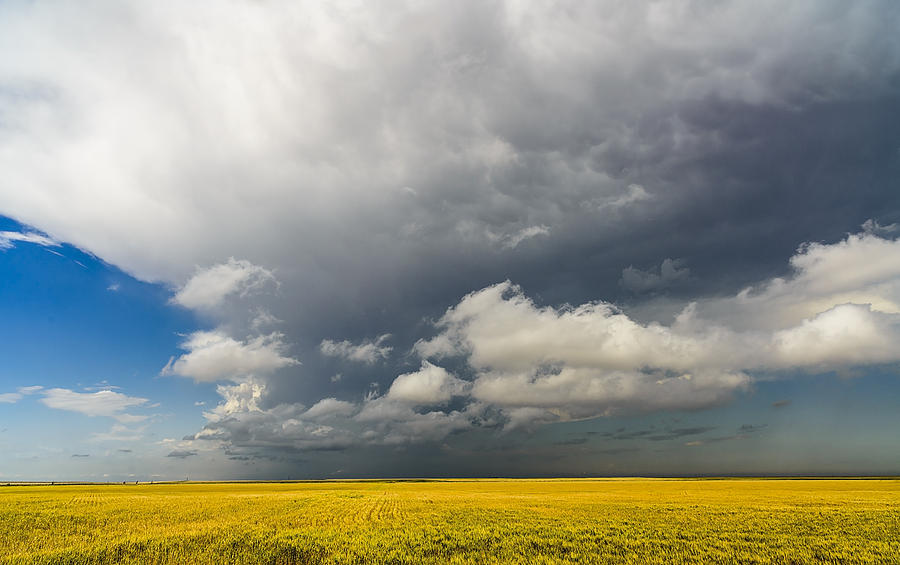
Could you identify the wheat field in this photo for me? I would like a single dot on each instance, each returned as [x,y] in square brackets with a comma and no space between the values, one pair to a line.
[456,521]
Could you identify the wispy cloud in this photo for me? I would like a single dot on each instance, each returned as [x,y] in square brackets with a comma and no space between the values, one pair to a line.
[671,272]
[366,351]
[653,434]
[8,239]
[744,432]
[119,432]
[10,397]
[512,240]
[21,392]
[102,403]
[633,194]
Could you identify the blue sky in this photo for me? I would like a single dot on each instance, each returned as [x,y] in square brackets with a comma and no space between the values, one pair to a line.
[73,322]
[467,239]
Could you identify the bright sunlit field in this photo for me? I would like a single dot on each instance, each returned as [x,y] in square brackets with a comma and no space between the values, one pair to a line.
[484,521]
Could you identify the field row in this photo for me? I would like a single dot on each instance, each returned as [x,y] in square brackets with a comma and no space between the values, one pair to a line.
[580,521]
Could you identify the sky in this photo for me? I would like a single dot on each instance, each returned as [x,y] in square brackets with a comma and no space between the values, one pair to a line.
[279,240]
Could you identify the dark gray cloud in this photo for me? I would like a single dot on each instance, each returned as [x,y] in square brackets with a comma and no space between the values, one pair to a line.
[181,454]
[641,154]
[652,434]
[672,272]
[743,432]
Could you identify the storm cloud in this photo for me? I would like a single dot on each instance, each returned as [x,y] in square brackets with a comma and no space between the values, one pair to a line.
[483,216]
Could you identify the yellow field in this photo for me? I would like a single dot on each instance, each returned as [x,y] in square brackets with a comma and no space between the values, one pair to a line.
[525,521]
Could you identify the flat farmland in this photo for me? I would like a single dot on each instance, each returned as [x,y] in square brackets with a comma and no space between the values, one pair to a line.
[456,521]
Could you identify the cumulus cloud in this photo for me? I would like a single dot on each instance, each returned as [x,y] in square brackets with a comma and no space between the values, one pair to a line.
[330,408]
[247,420]
[9,238]
[536,364]
[102,403]
[393,420]
[367,351]
[209,287]
[244,396]
[573,362]
[428,386]
[862,269]
[242,422]
[214,356]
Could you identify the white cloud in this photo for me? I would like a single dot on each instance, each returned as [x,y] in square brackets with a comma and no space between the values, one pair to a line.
[526,233]
[330,408]
[509,240]
[241,397]
[214,356]
[209,287]
[263,319]
[7,239]
[102,403]
[392,421]
[428,386]
[593,359]
[21,392]
[367,351]
[861,269]
[119,432]
[872,227]
[535,364]
[847,334]
[243,421]
[635,193]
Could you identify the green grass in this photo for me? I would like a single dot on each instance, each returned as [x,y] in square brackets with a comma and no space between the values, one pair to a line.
[521,521]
